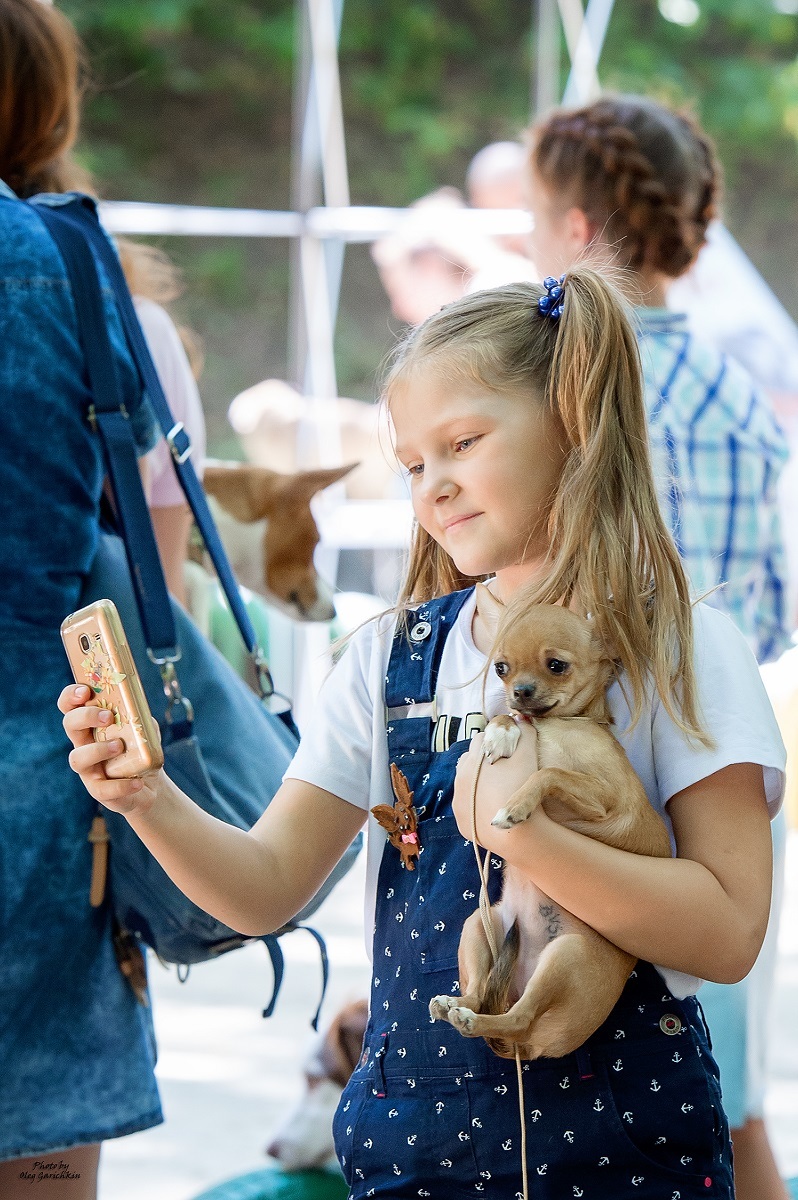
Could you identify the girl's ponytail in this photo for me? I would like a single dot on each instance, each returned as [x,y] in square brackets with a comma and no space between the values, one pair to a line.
[610,547]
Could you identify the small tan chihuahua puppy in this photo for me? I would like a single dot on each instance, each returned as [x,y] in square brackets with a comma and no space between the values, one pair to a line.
[556,980]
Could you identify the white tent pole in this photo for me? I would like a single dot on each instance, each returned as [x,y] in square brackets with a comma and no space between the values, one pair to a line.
[583,81]
[546,88]
[580,51]
[320,173]
[324,33]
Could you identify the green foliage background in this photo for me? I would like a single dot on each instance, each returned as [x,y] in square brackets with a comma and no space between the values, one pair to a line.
[191,101]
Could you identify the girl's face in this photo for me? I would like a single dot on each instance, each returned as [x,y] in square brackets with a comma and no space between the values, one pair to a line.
[483,470]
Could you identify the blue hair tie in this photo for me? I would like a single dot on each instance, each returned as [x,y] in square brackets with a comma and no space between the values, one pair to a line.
[550,305]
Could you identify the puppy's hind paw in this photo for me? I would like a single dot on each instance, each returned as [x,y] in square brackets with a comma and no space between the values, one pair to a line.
[439,1007]
[501,738]
[462,1019]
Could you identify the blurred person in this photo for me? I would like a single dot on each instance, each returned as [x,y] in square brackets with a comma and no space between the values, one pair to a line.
[177,355]
[435,256]
[763,338]
[423,264]
[496,178]
[640,184]
[76,1047]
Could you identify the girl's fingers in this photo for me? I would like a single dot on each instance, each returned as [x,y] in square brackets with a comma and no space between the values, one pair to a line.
[81,721]
[74,696]
[83,758]
[114,793]
[88,756]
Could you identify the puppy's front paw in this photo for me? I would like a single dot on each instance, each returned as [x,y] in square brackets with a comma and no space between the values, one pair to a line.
[439,1007]
[501,738]
[506,818]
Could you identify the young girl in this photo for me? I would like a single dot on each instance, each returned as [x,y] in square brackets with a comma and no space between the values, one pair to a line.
[632,178]
[518,415]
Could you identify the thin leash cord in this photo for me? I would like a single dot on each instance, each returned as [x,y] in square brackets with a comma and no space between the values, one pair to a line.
[490,934]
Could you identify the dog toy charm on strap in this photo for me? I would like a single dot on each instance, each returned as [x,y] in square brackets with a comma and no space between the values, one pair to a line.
[401,821]
[550,305]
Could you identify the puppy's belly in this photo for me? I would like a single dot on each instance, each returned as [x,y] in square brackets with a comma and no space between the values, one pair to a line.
[540,921]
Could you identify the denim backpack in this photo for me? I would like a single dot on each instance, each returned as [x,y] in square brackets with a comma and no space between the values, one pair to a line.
[223,746]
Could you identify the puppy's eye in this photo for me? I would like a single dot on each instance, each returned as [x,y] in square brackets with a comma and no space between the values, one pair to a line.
[557,666]
[501,669]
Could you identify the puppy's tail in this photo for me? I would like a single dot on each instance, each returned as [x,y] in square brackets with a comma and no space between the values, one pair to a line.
[497,990]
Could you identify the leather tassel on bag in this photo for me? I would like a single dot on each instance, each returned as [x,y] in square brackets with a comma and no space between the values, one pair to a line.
[99,838]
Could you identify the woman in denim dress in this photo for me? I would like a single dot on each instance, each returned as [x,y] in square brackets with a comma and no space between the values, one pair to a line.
[76,1047]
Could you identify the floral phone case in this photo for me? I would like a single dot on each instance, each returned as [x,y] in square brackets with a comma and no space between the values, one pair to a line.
[100,657]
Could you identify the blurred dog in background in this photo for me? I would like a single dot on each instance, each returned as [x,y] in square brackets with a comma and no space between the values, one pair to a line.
[265,521]
[272,420]
[304,1139]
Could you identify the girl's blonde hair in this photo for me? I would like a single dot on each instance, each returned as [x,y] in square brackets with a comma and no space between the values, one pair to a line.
[611,554]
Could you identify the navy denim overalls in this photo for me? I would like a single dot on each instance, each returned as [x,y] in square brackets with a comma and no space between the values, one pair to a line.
[636,1112]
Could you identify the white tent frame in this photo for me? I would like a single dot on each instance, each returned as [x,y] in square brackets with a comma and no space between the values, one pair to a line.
[323,221]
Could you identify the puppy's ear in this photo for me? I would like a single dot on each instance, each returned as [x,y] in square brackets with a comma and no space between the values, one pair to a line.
[305,484]
[489,608]
[243,490]
[606,655]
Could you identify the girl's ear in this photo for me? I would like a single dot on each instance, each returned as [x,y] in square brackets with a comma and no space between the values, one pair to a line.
[580,230]
[489,608]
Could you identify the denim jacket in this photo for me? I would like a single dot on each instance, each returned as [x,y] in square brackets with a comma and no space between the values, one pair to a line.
[51,471]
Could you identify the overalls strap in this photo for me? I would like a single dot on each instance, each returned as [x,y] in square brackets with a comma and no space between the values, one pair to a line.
[417,650]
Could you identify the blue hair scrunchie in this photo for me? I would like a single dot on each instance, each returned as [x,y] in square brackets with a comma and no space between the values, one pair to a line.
[550,305]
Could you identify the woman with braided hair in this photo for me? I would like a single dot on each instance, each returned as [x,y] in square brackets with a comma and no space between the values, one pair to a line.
[638,184]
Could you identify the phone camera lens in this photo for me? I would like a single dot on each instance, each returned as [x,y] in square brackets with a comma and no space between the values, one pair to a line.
[85,644]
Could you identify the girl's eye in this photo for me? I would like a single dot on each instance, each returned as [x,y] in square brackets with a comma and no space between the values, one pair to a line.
[501,669]
[465,443]
[557,666]
[416,469]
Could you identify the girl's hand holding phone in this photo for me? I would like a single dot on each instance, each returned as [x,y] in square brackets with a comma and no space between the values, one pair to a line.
[88,757]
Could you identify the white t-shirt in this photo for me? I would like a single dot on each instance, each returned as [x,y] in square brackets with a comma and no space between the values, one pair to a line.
[345,748]
[180,388]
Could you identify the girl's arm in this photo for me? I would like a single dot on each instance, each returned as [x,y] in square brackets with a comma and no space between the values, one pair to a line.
[703,913]
[253,881]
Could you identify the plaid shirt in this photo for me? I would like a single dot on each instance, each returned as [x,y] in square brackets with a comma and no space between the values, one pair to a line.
[717,453]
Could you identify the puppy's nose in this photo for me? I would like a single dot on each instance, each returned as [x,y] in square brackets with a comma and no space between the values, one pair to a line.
[524,691]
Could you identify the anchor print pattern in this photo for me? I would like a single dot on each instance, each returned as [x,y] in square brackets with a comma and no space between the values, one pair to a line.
[466,1129]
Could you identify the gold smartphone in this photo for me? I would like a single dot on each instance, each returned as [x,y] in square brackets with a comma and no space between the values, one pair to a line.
[98,653]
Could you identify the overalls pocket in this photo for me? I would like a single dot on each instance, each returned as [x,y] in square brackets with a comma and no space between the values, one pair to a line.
[666,1109]
[345,1123]
[416,1136]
